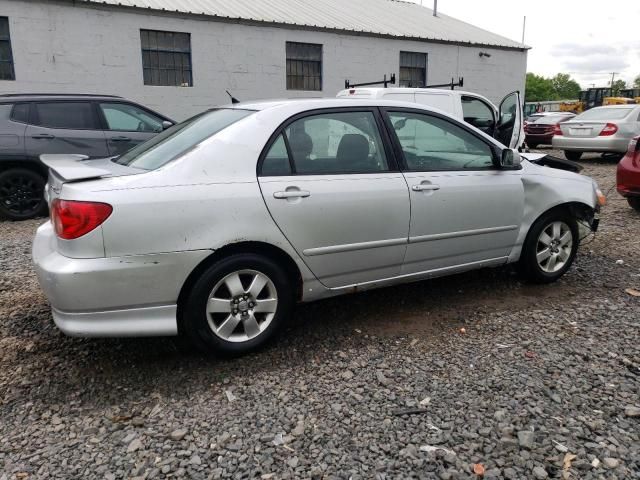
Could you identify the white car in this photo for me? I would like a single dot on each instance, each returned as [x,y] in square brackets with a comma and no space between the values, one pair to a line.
[503,122]
[217,226]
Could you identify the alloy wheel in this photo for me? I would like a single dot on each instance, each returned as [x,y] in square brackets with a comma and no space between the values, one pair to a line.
[554,247]
[242,305]
[20,195]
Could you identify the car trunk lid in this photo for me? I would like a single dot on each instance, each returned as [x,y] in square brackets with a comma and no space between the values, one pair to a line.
[583,129]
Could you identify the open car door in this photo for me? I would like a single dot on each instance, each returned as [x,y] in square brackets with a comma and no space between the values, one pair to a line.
[510,129]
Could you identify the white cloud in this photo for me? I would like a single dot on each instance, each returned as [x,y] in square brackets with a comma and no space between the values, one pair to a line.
[585,38]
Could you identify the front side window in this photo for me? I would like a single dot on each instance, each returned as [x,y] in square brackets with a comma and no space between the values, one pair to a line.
[477,113]
[6,55]
[333,143]
[413,69]
[166,58]
[304,66]
[179,139]
[129,118]
[69,115]
[433,144]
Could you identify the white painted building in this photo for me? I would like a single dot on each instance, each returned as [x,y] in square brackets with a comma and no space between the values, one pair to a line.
[179,56]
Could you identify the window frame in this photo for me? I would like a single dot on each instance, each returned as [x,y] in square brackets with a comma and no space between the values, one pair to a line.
[392,163]
[34,116]
[105,124]
[496,152]
[400,67]
[286,55]
[143,50]
[494,114]
[11,61]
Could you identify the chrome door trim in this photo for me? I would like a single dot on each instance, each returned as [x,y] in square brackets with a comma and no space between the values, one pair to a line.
[350,247]
[463,233]
[416,276]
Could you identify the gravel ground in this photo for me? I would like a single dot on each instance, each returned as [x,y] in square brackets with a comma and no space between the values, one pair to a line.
[430,380]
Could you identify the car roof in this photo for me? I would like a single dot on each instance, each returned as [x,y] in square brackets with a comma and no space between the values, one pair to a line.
[317,103]
[23,97]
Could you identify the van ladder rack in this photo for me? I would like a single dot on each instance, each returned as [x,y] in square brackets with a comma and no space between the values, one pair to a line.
[451,84]
[385,82]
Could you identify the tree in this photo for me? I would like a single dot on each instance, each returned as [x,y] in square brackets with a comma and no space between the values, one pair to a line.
[617,86]
[565,87]
[539,89]
[636,82]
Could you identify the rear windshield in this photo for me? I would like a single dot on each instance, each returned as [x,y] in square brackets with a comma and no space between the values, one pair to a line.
[604,114]
[179,139]
[552,119]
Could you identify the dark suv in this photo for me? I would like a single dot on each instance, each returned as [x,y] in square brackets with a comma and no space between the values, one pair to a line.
[32,124]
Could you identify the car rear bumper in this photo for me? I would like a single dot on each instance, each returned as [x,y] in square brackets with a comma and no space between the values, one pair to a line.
[595,144]
[539,138]
[112,297]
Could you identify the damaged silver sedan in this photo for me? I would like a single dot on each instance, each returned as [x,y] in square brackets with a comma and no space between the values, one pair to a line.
[218,226]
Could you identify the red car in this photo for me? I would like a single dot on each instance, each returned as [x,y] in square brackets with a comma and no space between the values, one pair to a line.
[628,176]
[540,130]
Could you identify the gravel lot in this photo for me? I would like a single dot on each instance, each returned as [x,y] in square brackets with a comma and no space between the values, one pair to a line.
[429,380]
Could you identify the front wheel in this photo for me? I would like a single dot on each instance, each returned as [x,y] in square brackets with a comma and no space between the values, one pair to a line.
[573,156]
[238,304]
[634,202]
[21,194]
[550,247]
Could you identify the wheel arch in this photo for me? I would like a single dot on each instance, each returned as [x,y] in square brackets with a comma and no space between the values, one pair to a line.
[34,166]
[261,248]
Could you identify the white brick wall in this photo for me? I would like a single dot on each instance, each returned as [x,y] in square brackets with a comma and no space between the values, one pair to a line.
[58,47]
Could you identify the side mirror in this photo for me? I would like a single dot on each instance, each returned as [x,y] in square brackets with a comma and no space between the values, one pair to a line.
[510,158]
[166,124]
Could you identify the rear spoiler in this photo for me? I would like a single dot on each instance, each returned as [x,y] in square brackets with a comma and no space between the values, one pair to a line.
[71,167]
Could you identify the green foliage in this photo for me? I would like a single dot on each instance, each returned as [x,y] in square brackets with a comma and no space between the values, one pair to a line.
[565,87]
[617,86]
[560,87]
[636,82]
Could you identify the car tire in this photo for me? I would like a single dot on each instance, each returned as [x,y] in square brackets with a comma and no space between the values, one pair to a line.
[547,254]
[573,156]
[22,194]
[634,202]
[224,315]
[532,145]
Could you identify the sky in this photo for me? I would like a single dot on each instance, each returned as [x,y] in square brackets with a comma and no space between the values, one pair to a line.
[588,39]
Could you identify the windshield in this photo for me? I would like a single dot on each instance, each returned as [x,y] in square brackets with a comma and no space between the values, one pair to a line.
[604,114]
[179,139]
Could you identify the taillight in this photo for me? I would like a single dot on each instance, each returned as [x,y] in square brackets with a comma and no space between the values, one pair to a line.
[609,129]
[557,130]
[72,219]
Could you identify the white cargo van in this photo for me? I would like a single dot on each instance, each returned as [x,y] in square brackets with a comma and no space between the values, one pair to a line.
[504,123]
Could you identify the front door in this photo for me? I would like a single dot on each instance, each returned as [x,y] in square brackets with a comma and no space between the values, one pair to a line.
[127,125]
[464,210]
[331,185]
[65,127]
[510,129]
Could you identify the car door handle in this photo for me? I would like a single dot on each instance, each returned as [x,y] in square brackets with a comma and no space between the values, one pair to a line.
[43,136]
[425,186]
[292,194]
[120,139]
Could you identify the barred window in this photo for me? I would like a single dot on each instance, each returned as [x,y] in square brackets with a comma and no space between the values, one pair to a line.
[304,66]
[6,56]
[166,58]
[413,69]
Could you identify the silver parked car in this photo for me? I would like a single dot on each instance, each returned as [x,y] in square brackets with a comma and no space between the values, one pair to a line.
[217,226]
[602,129]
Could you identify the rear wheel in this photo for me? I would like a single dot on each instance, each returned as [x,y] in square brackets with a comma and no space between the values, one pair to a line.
[532,144]
[634,202]
[550,247]
[238,304]
[21,194]
[573,156]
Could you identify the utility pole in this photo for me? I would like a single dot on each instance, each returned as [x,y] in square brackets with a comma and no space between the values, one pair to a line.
[613,75]
[524,26]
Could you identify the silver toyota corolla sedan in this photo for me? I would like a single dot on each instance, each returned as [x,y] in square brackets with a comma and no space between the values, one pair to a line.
[218,226]
[602,129]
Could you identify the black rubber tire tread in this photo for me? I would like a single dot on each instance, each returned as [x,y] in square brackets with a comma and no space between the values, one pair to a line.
[40,210]
[573,156]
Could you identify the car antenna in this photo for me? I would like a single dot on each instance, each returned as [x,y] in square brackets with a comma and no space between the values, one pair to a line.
[234,100]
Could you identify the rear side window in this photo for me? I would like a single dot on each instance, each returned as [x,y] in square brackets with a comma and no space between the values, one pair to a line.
[69,115]
[179,139]
[276,162]
[20,113]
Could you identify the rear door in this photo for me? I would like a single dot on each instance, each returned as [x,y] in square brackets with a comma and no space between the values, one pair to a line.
[510,128]
[65,127]
[330,182]
[126,125]
[12,128]
[464,210]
